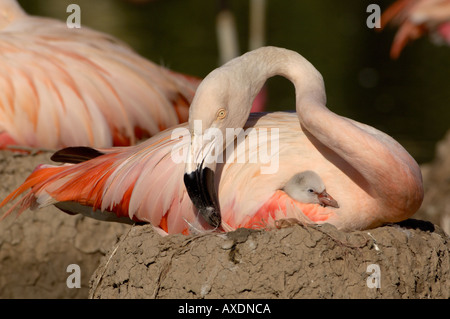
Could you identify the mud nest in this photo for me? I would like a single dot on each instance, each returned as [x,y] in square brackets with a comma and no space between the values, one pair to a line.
[406,260]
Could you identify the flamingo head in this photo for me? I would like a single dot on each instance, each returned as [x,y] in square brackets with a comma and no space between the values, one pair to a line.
[221,105]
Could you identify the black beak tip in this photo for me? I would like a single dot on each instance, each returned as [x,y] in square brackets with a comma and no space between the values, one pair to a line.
[200,187]
[211,216]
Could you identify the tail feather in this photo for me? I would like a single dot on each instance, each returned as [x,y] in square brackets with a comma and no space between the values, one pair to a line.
[33,183]
[49,184]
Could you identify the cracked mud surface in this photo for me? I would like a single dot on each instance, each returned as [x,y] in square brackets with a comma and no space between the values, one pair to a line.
[294,262]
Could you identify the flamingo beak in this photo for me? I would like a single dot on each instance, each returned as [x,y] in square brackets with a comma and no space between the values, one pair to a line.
[200,183]
[325,199]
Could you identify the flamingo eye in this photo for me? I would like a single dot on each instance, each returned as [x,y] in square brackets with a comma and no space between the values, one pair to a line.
[310,190]
[222,113]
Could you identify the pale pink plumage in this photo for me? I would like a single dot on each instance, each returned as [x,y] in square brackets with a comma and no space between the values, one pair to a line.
[371,176]
[415,18]
[63,87]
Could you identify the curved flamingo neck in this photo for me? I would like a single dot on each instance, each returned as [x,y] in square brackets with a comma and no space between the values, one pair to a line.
[255,67]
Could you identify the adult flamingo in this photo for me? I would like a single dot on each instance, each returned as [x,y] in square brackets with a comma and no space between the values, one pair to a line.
[415,18]
[64,87]
[372,179]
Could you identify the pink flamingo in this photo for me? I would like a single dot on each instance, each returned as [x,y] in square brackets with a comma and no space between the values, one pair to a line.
[64,87]
[372,178]
[415,18]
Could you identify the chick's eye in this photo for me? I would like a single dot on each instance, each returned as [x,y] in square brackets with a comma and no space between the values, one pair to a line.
[221,113]
[310,190]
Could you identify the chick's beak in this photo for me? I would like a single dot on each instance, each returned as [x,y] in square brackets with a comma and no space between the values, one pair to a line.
[325,199]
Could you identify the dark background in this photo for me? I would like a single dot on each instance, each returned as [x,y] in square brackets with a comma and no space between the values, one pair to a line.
[408,98]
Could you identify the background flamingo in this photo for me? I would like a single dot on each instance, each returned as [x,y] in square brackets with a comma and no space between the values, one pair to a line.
[416,18]
[142,183]
[66,86]
[81,87]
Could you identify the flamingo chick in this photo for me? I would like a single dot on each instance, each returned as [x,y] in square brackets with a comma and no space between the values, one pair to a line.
[65,87]
[308,187]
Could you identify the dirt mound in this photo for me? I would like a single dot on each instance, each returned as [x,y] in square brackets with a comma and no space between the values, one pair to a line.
[408,260]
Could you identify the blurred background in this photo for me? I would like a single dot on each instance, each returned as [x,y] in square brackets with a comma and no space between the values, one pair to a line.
[408,98]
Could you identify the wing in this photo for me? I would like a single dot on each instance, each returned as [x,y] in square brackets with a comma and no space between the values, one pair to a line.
[65,87]
[138,183]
